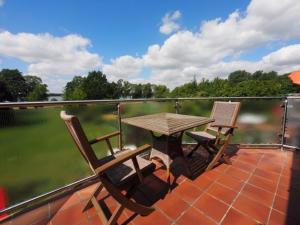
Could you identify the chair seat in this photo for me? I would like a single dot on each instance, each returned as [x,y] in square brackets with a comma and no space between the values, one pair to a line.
[201,136]
[125,172]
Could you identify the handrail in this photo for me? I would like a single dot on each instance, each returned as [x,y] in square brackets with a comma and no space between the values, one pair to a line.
[117,101]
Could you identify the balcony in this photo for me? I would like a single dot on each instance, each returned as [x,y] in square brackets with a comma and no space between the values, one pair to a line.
[260,187]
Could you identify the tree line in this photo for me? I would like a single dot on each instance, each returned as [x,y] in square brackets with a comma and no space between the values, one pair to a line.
[15,87]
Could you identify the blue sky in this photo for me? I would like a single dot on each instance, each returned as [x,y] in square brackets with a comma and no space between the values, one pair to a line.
[126,39]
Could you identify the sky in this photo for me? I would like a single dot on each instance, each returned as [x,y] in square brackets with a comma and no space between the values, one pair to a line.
[159,41]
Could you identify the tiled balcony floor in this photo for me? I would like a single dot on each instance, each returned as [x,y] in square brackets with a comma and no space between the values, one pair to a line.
[261,186]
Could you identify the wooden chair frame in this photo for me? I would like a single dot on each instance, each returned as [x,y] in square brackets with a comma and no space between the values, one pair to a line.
[99,168]
[224,133]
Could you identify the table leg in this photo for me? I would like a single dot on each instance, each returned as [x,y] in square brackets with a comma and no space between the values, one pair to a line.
[168,148]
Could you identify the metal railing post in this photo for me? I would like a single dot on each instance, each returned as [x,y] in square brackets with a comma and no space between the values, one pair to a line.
[177,107]
[120,127]
[284,120]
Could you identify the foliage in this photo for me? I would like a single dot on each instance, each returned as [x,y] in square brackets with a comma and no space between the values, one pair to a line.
[239,83]
[37,91]
[161,91]
[15,84]
[16,87]
[5,94]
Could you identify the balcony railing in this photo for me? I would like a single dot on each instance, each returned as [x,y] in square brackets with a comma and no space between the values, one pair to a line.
[39,161]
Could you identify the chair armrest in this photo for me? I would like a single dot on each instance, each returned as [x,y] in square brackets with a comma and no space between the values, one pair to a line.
[122,158]
[104,137]
[223,126]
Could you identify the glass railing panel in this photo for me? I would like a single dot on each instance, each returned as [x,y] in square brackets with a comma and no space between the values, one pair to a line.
[37,152]
[259,120]
[292,131]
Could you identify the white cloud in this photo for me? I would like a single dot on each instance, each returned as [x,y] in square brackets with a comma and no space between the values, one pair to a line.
[49,56]
[2,2]
[169,22]
[203,52]
[125,67]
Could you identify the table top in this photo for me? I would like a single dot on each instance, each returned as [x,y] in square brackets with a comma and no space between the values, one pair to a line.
[167,123]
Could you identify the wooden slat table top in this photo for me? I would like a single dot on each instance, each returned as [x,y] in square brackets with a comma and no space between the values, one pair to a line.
[167,123]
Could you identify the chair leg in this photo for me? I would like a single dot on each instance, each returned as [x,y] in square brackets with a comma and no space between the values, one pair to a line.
[116,214]
[99,211]
[227,160]
[215,160]
[194,149]
[95,194]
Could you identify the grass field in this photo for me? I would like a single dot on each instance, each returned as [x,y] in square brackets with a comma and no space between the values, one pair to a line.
[38,154]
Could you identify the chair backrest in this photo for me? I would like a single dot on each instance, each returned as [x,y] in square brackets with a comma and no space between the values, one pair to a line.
[224,113]
[80,139]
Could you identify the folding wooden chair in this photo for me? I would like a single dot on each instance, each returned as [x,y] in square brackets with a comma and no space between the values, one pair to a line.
[225,115]
[116,172]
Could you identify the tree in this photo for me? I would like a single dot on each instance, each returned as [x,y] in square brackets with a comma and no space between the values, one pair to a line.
[15,84]
[147,91]
[238,76]
[136,91]
[37,91]
[5,95]
[96,85]
[161,91]
[74,89]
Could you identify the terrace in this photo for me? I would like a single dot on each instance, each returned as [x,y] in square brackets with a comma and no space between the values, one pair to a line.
[260,187]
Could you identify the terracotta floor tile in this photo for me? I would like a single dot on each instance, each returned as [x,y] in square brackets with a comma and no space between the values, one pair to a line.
[41,222]
[283,191]
[86,193]
[74,199]
[172,205]
[260,195]
[281,204]
[222,193]
[71,216]
[95,220]
[252,208]
[154,218]
[263,183]
[231,182]
[222,168]
[266,174]
[244,166]
[56,205]
[277,218]
[211,207]
[234,217]
[194,217]
[287,172]
[33,216]
[211,174]
[284,180]
[202,182]
[188,192]
[270,167]
[237,173]
[252,159]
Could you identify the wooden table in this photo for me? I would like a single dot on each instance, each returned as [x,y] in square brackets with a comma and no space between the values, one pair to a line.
[167,147]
